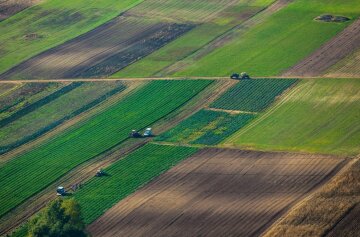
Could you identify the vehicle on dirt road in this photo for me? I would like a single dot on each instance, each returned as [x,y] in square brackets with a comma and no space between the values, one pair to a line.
[240,76]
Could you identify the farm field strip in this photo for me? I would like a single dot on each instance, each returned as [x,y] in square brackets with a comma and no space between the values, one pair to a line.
[330,211]
[73,103]
[7,88]
[348,67]
[206,127]
[85,171]
[23,95]
[252,95]
[41,100]
[54,158]
[268,8]
[157,62]
[50,24]
[218,192]
[127,175]
[329,54]
[9,8]
[322,113]
[261,50]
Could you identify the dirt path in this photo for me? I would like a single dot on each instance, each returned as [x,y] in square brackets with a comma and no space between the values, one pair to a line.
[86,171]
[218,192]
[329,54]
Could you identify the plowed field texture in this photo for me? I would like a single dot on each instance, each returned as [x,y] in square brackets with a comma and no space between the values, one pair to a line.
[316,116]
[30,172]
[216,192]
[104,50]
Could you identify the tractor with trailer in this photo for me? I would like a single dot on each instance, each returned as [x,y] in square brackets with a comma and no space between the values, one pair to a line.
[241,76]
[136,134]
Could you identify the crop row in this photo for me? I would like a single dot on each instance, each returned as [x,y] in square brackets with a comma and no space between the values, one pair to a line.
[21,95]
[252,95]
[29,173]
[206,127]
[47,118]
[43,101]
[126,176]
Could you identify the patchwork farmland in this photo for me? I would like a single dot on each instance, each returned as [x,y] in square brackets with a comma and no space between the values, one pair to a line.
[179,118]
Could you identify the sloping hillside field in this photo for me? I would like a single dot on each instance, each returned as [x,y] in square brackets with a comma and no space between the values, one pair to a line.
[217,192]
[29,173]
[319,115]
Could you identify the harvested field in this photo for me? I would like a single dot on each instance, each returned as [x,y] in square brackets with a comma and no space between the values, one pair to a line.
[118,40]
[218,192]
[339,47]
[11,7]
[333,210]
[348,67]
[348,226]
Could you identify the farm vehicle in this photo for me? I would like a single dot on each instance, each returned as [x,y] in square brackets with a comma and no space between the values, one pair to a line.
[99,173]
[136,134]
[241,76]
[60,191]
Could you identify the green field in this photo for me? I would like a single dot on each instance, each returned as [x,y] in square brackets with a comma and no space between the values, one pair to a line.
[22,95]
[206,127]
[29,173]
[275,45]
[252,95]
[319,115]
[46,117]
[193,40]
[51,23]
[126,176]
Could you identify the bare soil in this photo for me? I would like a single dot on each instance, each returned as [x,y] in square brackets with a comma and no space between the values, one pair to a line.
[329,54]
[348,226]
[100,52]
[218,192]
[11,7]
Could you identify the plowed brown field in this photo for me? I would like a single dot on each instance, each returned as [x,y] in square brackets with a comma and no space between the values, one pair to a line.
[329,54]
[218,192]
[11,7]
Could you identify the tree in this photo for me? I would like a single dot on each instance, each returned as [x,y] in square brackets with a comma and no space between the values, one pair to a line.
[61,218]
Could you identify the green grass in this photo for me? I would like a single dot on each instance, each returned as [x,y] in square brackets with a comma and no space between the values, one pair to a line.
[206,127]
[126,176]
[157,62]
[29,173]
[319,116]
[54,22]
[252,95]
[185,45]
[47,117]
[283,40]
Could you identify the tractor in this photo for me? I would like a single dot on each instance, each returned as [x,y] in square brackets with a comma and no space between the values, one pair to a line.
[241,76]
[100,172]
[148,132]
[135,134]
[60,191]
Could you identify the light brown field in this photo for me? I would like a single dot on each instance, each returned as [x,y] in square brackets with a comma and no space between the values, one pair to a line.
[11,7]
[218,192]
[341,46]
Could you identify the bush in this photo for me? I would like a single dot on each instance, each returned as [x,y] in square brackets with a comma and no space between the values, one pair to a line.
[61,218]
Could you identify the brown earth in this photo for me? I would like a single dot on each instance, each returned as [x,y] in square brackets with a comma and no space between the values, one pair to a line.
[119,38]
[11,7]
[348,226]
[86,171]
[329,54]
[218,192]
